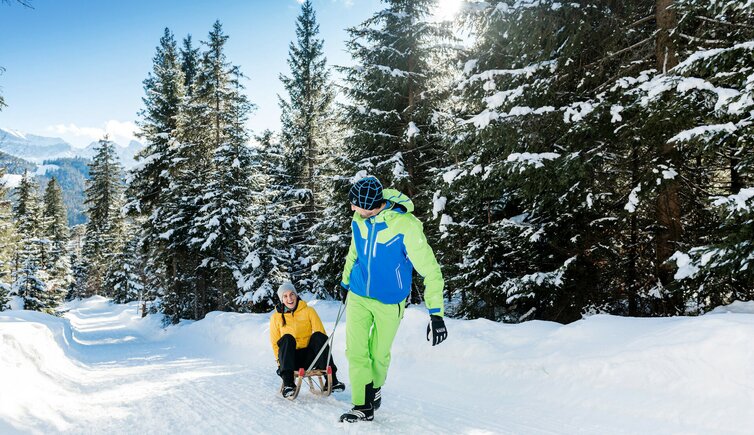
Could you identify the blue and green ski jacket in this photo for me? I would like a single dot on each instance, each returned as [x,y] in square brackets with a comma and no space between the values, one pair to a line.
[384,251]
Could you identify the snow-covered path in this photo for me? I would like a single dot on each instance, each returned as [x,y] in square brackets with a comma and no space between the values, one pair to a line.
[103,369]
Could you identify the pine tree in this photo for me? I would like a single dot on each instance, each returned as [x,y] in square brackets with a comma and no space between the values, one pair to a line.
[391,96]
[189,64]
[305,119]
[268,261]
[717,168]
[29,276]
[150,181]
[55,222]
[104,231]
[209,127]
[223,226]
[526,207]
[125,277]
[8,241]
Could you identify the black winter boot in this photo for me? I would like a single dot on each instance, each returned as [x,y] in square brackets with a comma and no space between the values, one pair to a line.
[358,413]
[289,386]
[336,384]
[377,398]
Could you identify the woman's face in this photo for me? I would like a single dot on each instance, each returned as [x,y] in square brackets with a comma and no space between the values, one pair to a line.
[289,299]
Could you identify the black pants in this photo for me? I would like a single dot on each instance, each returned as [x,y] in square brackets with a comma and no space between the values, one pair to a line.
[292,359]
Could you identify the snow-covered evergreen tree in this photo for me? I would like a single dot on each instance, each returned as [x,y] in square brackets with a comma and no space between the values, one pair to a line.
[29,274]
[521,208]
[8,241]
[125,278]
[189,63]
[714,87]
[104,231]
[223,225]
[391,98]
[149,181]
[305,118]
[55,221]
[268,261]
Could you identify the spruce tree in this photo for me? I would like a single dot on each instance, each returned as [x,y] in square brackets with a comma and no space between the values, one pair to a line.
[8,241]
[717,172]
[55,221]
[189,63]
[525,208]
[268,261]
[150,181]
[29,274]
[223,225]
[305,119]
[125,278]
[391,96]
[210,132]
[104,231]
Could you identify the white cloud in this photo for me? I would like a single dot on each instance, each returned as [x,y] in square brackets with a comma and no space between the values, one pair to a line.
[121,132]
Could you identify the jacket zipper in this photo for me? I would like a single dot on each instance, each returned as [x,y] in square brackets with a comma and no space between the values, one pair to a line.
[372,236]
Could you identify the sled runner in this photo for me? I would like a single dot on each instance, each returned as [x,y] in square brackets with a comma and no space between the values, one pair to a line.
[319,381]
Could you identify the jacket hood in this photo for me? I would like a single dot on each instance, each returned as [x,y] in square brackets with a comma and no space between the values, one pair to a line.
[398,199]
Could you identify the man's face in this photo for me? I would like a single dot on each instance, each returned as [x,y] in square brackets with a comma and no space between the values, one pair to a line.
[364,213]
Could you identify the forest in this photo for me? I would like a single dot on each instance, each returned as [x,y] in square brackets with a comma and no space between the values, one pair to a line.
[565,159]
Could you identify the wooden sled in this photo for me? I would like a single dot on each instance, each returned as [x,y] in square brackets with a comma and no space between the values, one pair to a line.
[316,379]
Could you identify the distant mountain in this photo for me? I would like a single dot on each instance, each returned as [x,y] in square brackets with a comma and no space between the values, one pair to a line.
[71,174]
[37,149]
[32,147]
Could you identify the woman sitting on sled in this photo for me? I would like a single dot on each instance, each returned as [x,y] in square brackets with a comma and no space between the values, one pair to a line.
[297,336]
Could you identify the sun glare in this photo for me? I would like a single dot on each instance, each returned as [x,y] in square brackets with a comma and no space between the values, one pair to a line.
[446,9]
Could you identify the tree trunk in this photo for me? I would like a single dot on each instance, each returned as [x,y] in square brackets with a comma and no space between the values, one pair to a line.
[668,201]
[665,50]
[633,254]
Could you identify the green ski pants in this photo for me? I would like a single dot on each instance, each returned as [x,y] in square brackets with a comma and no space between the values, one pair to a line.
[370,330]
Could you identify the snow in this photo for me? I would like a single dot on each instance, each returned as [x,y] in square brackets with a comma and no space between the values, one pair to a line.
[11,181]
[577,111]
[615,112]
[531,159]
[707,54]
[686,266]
[483,119]
[451,175]
[502,97]
[633,199]
[43,169]
[669,174]
[704,130]
[738,201]
[469,66]
[527,71]
[14,133]
[104,369]
[412,130]
[438,204]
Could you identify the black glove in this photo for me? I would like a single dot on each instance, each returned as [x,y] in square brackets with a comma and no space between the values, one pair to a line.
[343,293]
[437,328]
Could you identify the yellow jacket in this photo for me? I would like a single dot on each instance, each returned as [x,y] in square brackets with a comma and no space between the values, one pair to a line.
[301,324]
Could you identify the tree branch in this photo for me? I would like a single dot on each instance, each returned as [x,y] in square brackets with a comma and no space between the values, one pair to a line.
[712,20]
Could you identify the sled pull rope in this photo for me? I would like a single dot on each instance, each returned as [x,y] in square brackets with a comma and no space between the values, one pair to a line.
[329,341]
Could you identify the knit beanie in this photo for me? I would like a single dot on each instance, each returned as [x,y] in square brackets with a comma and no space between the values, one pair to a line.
[366,193]
[285,287]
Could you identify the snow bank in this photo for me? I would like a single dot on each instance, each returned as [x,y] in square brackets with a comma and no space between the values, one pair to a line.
[104,369]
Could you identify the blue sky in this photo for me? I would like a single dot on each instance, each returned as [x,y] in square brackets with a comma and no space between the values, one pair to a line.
[74,68]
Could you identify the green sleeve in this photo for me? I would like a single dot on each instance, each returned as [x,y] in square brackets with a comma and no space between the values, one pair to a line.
[423,259]
[345,280]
